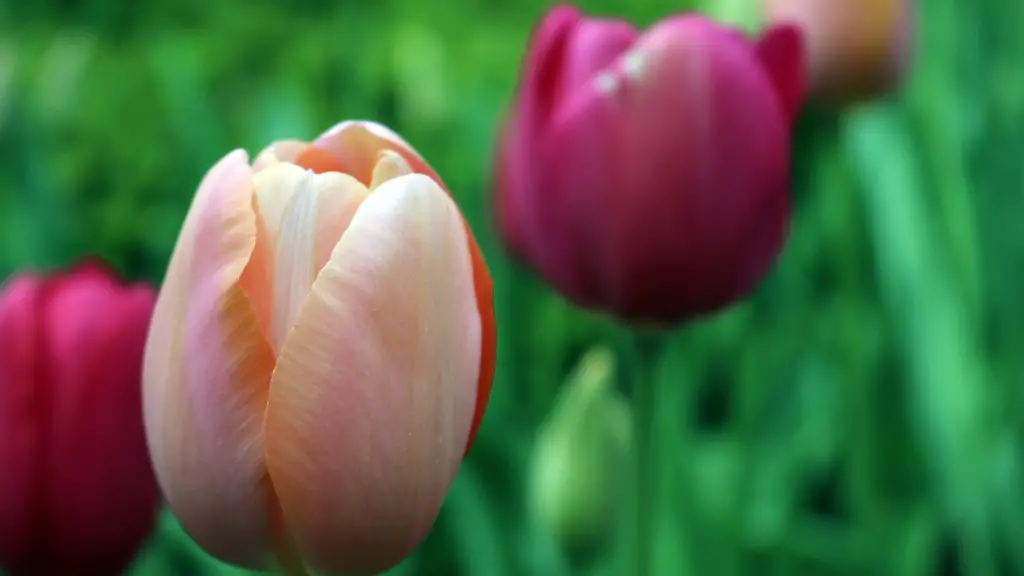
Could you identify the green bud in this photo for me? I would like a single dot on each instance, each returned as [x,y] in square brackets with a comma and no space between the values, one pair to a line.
[580,458]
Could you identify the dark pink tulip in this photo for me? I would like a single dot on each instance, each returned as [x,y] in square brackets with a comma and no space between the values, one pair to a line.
[647,175]
[77,493]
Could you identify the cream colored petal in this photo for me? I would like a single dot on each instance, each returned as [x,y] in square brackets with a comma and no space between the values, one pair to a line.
[275,185]
[303,216]
[339,197]
[294,259]
[375,388]
[389,165]
[281,151]
[206,373]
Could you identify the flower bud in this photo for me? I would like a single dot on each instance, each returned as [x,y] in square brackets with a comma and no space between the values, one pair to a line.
[577,470]
[77,492]
[320,355]
[647,174]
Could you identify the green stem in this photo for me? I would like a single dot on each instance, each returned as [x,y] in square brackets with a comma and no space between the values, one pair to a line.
[646,348]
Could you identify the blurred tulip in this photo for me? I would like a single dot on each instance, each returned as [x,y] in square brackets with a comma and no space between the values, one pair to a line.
[577,477]
[647,176]
[320,355]
[856,49]
[77,492]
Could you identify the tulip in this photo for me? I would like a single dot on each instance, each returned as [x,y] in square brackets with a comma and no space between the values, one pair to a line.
[320,356]
[857,49]
[77,492]
[646,175]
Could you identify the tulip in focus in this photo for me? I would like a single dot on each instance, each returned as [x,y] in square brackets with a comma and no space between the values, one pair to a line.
[857,49]
[320,355]
[77,492]
[646,175]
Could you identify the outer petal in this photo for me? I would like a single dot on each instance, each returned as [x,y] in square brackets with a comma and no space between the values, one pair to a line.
[516,153]
[527,206]
[541,87]
[206,373]
[566,51]
[99,466]
[594,44]
[781,50]
[371,403]
[357,145]
[23,397]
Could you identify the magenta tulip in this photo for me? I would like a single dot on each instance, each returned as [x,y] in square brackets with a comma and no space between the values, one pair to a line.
[77,492]
[646,174]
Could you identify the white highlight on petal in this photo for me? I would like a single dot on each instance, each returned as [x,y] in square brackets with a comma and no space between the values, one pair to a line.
[390,165]
[295,258]
[304,215]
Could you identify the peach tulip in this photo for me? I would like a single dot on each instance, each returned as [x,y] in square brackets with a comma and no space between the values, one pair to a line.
[857,49]
[320,356]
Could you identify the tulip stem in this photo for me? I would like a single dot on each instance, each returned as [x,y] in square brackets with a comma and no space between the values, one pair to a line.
[646,349]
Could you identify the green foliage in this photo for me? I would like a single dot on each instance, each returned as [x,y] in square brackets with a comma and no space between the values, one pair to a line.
[862,414]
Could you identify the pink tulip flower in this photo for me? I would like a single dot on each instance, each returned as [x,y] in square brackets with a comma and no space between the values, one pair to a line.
[320,355]
[647,174]
[77,492]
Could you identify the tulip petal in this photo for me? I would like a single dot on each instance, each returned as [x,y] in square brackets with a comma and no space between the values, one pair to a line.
[483,286]
[280,151]
[206,373]
[595,44]
[97,327]
[390,165]
[356,144]
[319,161]
[360,143]
[295,267]
[781,50]
[372,399]
[22,400]
[303,216]
[517,167]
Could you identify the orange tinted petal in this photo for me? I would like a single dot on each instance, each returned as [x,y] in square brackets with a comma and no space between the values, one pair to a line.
[483,288]
[206,372]
[373,396]
[358,143]
[319,161]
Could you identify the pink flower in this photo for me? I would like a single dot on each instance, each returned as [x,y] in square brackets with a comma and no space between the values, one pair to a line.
[321,354]
[647,175]
[77,493]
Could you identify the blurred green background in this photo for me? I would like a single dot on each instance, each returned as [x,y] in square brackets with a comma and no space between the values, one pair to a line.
[861,414]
